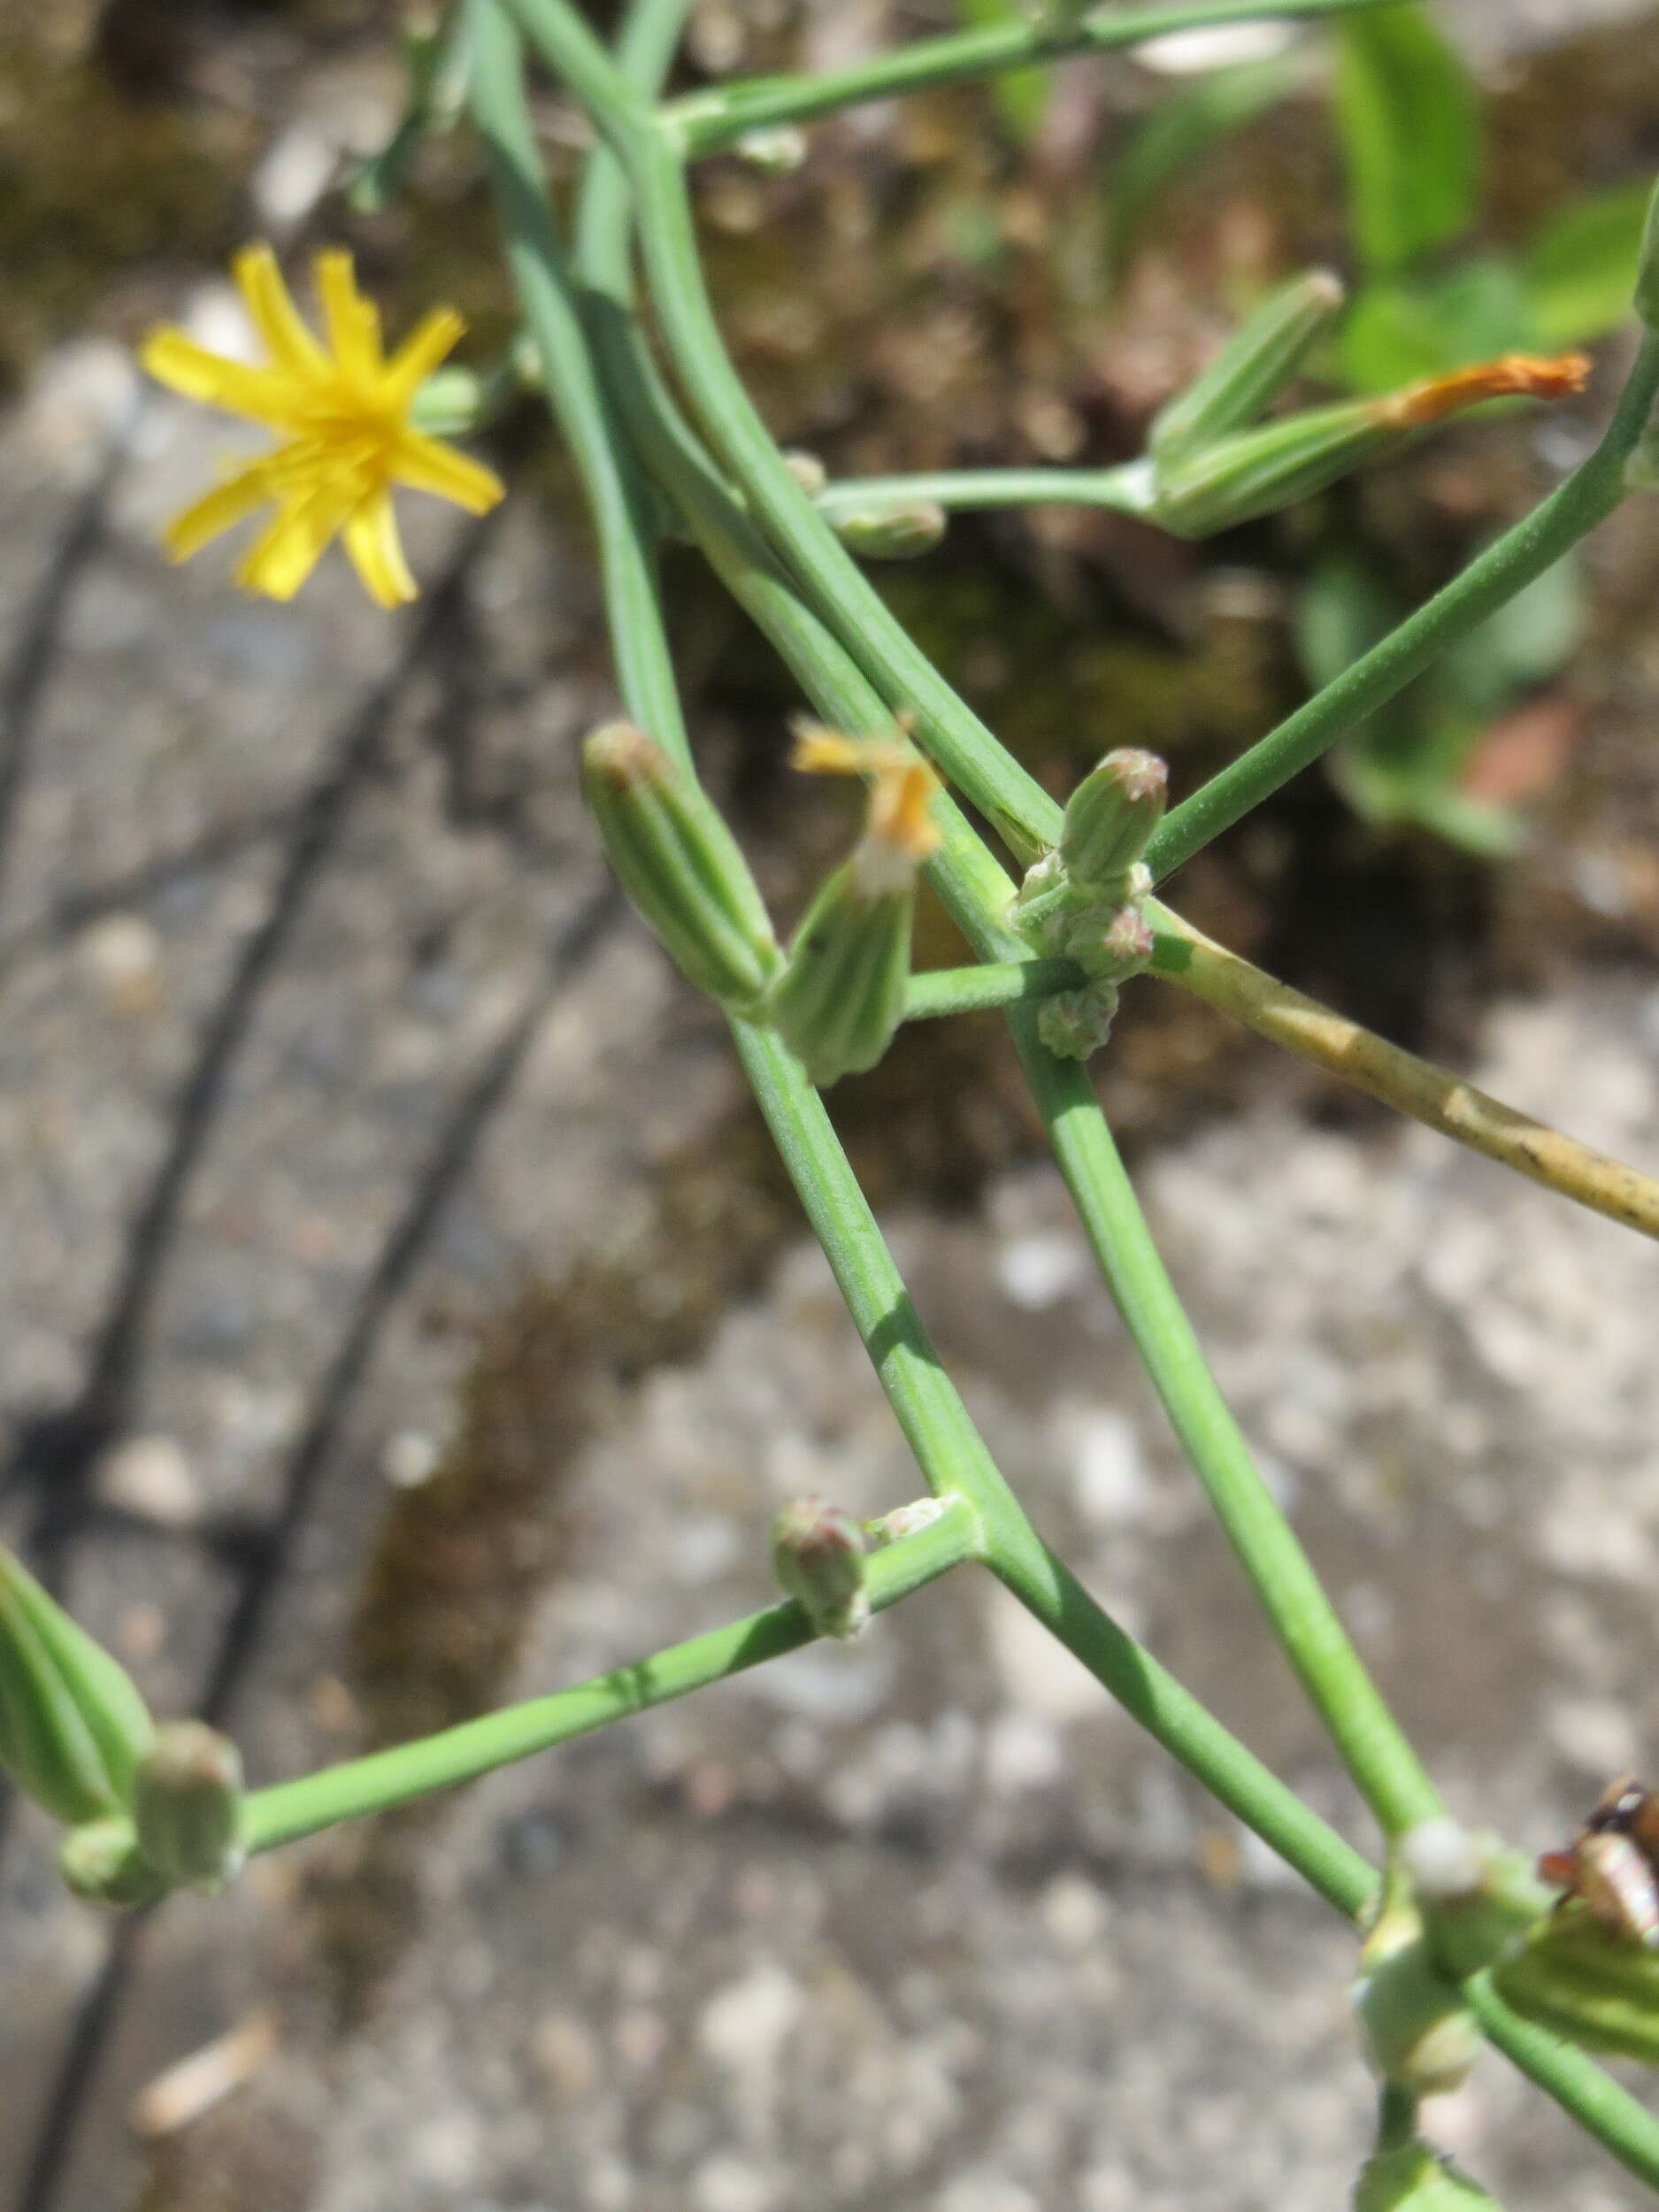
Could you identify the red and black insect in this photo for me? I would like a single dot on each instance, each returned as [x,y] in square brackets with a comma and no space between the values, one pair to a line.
[1612,1865]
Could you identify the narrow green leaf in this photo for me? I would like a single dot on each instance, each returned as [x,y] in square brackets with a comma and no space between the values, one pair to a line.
[1409,122]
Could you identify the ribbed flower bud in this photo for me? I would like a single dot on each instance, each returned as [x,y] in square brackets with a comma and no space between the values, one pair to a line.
[73,1725]
[1256,362]
[187,1806]
[817,1554]
[1413,2178]
[890,530]
[680,865]
[1111,817]
[102,1862]
[1585,1980]
[1257,472]
[842,993]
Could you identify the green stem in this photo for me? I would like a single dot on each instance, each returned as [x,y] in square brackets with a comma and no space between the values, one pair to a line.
[1517,559]
[1577,2084]
[1126,490]
[874,1291]
[939,991]
[947,1447]
[627,540]
[1396,2117]
[1022,811]
[1253,1798]
[1048,1588]
[704,121]
[1044,1585]
[1376,1751]
[1374,1748]
[387,1779]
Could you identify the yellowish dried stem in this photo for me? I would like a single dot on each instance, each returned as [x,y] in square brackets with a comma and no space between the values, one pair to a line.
[1358,1056]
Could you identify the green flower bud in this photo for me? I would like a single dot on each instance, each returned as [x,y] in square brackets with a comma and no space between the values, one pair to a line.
[1257,472]
[1586,1982]
[1647,268]
[1420,2036]
[1075,1024]
[680,865]
[187,1806]
[1047,904]
[841,995]
[1255,363]
[72,1726]
[1414,2178]
[1112,943]
[1111,817]
[817,1554]
[103,1864]
[890,531]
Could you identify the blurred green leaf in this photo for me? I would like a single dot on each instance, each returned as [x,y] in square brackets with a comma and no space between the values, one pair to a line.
[1021,95]
[1406,764]
[1401,329]
[1525,643]
[1181,130]
[1410,121]
[1343,609]
[1580,269]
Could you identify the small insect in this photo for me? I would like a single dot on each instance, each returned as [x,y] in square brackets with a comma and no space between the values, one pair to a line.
[1612,1865]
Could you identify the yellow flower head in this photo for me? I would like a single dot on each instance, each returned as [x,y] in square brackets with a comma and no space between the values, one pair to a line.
[342,413]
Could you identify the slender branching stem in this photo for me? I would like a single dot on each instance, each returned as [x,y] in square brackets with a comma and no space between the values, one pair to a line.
[1376,1751]
[952,1457]
[389,1778]
[1126,490]
[1606,2112]
[703,122]
[811,606]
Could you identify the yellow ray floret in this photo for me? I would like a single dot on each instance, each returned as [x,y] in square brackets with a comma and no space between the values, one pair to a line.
[902,784]
[342,410]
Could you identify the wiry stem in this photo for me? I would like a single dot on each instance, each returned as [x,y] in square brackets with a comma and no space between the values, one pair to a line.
[704,121]
[1356,1056]
[386,1778]
[952,1455]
